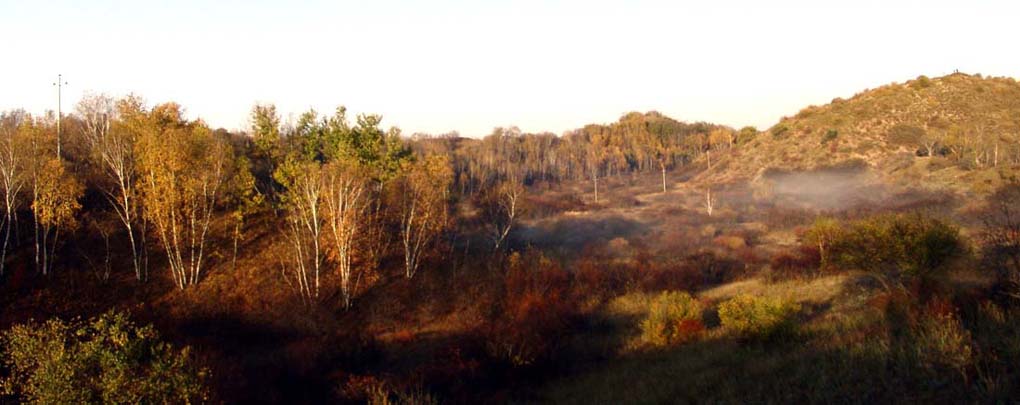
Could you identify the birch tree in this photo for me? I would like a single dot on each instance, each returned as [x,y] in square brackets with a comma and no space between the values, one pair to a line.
[709,202]
[55,208]
[664,155]
[502,206]
[423,208]
[302,200]
[596,160]
[111,145]
[345,203]
[184,171]
[12,177]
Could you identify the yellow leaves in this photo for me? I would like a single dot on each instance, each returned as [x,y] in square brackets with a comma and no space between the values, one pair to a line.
[720,137]
[180,165]
[183,170]
[57,194]
[758,317]
[424,189]
[430,176]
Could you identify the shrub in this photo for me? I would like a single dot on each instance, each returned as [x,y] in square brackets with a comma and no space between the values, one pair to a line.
[534,317]
[941,342]
[674,317]
[597,278]
[779,130]
[821,236]
[373,391]
[746,135]
[759,318]
[922,82]
[829,136]
[106,360]
[898,247]
[712,268]
[1001,237]
[906,135]
[929,339]
[785,264]
[671,276]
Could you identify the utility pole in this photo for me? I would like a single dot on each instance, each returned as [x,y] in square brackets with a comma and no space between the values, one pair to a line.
[60,83]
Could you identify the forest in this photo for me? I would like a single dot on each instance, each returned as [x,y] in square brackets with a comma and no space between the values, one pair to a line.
[867,250]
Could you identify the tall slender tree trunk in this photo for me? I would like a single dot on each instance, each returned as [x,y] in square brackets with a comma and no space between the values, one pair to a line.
[663,179]
[42,244]
[35,227]
[237,235]
[7,237]
[134,253]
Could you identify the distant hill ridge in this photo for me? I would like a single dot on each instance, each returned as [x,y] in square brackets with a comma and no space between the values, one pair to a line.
[958,131]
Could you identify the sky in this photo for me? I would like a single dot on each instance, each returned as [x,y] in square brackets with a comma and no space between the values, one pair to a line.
[470,66]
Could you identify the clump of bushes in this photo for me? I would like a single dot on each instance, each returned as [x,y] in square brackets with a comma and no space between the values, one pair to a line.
[105,360]
[759,318]
[922,82]
[821,236]
[1001,238]
[895,247]
[906,135]
[374,391]
[942,343]
[929,338]
[804,261]
[674,318]
[534,315]
[746,135]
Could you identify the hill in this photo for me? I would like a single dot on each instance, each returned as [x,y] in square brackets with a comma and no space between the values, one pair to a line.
[958,132]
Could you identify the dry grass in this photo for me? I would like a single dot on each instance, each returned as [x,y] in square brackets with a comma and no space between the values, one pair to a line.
[819,289]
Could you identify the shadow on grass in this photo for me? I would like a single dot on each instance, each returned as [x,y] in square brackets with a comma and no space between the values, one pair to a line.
[572,234]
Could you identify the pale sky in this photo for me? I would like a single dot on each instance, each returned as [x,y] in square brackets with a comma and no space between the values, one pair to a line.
[473,65]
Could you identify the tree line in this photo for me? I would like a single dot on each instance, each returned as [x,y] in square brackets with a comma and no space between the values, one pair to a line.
[347,193]
[637,143]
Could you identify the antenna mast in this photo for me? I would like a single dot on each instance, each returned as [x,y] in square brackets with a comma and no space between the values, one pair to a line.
[60,83]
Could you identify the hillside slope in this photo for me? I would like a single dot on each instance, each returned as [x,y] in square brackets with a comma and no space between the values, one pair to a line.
[958,132]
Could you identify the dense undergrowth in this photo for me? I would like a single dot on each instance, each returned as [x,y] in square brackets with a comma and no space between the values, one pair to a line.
[540,326]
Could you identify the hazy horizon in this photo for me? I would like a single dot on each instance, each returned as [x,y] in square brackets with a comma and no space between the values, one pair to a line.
[466,67]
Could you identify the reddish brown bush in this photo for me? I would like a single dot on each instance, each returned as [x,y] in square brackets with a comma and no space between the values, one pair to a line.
[714,269]
[546,205]
[535,314]
[599,280]
[678,277]
[803,261]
